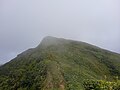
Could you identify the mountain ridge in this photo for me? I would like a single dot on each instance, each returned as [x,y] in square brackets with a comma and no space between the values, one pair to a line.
[58,64]
[52,37]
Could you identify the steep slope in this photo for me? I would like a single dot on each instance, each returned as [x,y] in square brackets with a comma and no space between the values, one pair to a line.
[58,64]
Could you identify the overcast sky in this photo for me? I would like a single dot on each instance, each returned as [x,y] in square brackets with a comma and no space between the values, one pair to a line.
[23,23]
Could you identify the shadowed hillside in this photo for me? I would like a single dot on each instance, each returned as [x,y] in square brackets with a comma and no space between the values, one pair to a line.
[58,64]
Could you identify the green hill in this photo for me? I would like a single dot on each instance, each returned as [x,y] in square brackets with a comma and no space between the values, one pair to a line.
[58,64]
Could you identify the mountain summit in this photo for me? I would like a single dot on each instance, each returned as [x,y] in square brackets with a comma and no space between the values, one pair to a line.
[58,64]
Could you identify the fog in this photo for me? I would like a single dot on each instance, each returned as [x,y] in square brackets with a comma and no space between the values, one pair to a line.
[24,23]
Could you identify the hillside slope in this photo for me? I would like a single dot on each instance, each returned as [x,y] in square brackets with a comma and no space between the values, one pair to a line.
[58,64]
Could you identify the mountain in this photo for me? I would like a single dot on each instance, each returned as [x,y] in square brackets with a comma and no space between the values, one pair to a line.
[58,64]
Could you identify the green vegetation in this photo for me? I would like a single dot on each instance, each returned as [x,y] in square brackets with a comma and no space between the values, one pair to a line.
[59,64]
[101,85]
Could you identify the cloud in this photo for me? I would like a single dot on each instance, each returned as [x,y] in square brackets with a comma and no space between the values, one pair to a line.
[23,23]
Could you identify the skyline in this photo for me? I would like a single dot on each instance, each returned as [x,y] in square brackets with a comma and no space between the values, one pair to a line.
[24,23]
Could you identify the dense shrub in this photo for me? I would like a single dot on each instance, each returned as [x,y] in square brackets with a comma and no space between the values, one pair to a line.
[101,85]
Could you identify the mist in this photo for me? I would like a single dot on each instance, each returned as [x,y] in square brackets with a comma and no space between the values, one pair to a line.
[24,23]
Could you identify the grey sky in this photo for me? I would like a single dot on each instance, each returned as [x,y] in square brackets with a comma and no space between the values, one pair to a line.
[23,23]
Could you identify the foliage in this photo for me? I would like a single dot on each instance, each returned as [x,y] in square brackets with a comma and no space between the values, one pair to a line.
[101,85]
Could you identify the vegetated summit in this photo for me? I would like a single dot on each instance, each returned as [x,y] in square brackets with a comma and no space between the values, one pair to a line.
[58,64]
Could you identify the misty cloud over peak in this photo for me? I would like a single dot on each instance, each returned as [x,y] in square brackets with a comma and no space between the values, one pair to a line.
[23,23]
